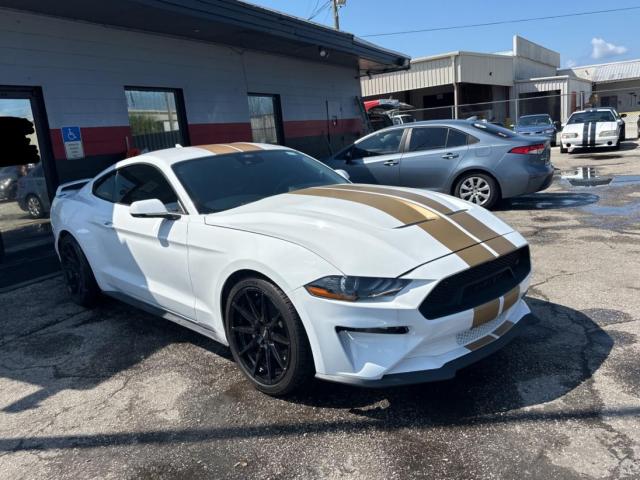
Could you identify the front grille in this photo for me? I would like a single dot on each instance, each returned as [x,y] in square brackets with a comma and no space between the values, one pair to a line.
[477,285]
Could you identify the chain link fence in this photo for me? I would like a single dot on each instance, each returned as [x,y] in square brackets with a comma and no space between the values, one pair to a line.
[558,106]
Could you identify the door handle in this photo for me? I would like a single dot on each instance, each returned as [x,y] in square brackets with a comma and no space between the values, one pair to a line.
[449,156]
[388,163]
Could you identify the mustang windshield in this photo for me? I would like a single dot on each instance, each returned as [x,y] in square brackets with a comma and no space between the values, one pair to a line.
[597,116]
[222,182]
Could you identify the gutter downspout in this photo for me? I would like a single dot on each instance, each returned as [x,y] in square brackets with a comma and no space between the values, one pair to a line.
[455,87]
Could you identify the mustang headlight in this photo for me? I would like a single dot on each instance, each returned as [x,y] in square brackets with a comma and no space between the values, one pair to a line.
[352,289]
[569,135]
[608,133]
[5,183]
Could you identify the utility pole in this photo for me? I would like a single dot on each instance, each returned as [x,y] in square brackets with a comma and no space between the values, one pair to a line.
[337,4]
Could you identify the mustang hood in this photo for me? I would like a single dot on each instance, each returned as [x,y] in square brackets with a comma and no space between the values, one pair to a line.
[370,230]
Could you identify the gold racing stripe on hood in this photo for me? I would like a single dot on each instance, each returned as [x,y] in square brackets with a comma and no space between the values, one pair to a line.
[398,209]
[500,245]
[464,219]
[414,197]
[438,226]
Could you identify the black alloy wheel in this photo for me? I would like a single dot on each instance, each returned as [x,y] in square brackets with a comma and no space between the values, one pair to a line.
[266,337]
[81,283]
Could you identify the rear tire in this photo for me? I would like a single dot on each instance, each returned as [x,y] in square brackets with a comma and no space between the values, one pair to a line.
[34,206]
[478,188]
[617,145]
[81,284]
[267,338]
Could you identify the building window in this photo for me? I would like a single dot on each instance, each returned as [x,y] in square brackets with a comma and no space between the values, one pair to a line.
[156,117]
[266,118]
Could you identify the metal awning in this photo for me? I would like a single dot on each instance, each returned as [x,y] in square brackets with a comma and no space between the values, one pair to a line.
[229,22]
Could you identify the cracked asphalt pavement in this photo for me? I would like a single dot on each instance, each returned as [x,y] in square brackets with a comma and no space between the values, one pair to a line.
[116,393]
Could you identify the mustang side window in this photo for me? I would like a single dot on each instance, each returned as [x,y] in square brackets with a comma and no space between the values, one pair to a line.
[144,182]
[105,187]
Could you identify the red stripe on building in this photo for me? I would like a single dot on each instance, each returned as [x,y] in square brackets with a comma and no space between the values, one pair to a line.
[206,133]
[315,128]
[95,141]
[113,140]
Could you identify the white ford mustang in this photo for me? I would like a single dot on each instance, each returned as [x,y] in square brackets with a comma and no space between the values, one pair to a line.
[299,271]
[596,127]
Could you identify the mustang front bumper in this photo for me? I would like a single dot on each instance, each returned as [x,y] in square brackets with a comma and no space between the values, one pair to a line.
[389,342]
[602,142]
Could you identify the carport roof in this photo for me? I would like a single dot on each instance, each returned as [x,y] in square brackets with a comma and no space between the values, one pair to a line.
[228,22]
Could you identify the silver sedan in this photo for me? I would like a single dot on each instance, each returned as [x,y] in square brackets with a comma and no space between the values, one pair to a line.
[473,160]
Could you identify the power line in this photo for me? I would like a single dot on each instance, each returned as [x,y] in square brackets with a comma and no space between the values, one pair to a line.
[501,22]
[319,10]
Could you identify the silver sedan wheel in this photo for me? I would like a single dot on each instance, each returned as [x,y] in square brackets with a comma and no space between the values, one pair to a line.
[475,190]
[34,207]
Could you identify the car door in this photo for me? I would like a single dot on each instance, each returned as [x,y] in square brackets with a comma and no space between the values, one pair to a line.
[149,256]
[431,156]
[374,159]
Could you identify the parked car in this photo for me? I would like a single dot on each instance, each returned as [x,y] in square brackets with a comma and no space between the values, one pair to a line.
[620,120]
[473,160]
[8,182]
[540,125]
[31,193]
[592,128]
[299,271]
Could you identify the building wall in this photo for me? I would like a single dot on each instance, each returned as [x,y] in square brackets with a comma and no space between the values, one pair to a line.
[83,69]
[569,89]
[485,69]
[423,73]
[627,93]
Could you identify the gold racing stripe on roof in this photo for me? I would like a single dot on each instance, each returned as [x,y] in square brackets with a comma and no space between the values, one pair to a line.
[219,148]
[486,312]
[398,209]
[246,147]
[414,197]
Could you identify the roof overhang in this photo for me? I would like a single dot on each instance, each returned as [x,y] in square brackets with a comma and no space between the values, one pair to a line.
[228,22]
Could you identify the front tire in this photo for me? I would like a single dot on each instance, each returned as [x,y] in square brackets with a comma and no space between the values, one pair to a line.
[34,207]
[81,283]
[563,150]
[478,188]
[267,338]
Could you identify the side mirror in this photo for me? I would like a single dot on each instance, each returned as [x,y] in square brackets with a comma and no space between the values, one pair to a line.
[152,208]
[623,115]
[557,124]
[343,173]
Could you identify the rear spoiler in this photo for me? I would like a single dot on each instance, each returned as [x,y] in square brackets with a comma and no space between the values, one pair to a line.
[68,187]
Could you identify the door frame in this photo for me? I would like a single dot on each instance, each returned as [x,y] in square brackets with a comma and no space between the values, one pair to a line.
[41,126]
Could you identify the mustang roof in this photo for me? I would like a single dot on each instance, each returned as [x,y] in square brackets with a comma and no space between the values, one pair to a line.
[170,156]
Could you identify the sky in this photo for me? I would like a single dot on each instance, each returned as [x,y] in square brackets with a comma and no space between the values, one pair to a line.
[582,40]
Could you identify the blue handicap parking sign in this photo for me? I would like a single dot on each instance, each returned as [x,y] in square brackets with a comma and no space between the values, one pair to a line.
[71,134]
